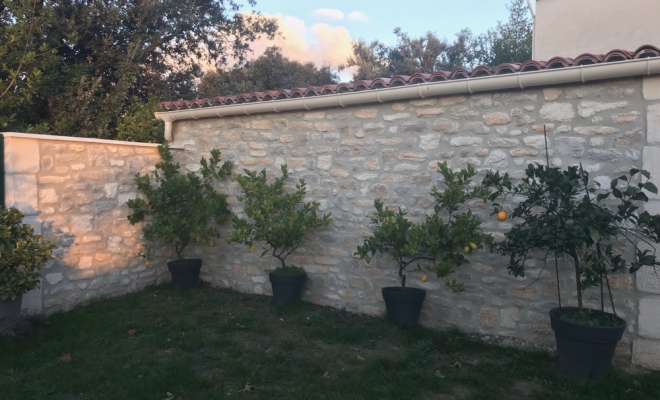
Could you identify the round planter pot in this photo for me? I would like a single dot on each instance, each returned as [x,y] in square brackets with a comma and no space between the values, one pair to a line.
[185,273]
[286,288]
[10,312]
[585,352]
[403,305]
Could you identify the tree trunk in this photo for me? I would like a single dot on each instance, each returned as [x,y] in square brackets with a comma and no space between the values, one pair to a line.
[577,278]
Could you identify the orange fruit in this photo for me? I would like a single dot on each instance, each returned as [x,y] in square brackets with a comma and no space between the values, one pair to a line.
[501,216]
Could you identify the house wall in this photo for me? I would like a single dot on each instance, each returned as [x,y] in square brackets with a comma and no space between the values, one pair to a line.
[350,156]
[568,28]
[74,191]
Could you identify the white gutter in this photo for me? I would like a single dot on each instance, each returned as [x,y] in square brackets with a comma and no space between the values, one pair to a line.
[523,80]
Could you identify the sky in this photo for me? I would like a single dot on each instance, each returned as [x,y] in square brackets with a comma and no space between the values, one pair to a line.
[321,31]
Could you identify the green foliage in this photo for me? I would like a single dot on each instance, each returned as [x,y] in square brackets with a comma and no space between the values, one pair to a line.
[442,240]
[276,217]
[72,67]
[25,56]
[22,253]
[563,213]
[178,208]
[508,42]
[139,123]
[270,71]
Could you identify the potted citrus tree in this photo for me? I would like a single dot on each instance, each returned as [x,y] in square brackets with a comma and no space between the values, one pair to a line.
[277,220]
[22,254]
[439,243]
[179,209]
[600,230]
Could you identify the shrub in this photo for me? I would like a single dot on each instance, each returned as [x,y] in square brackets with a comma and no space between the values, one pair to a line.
[276,218]
[178,208]
[22,253]
[441,241]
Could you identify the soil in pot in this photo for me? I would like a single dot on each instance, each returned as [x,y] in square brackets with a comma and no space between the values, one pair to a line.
[10,312]
[185,273]
[585,349]
[287,284]
[403,304]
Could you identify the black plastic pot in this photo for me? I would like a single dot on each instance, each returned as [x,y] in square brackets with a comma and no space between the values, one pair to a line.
[10,312]
[584,352]
[287,288]
[185,273]
[403,305]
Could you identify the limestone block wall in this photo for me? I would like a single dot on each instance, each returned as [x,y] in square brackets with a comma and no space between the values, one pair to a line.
[74,192]
[350,156]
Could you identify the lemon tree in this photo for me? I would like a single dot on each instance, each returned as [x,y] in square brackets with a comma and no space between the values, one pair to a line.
[563,213]
[439,243]
[178,208]
[275,218]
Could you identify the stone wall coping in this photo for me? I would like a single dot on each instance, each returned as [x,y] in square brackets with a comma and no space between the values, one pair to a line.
[83,140]
[520,80]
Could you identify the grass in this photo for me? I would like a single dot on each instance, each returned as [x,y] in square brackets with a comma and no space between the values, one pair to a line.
[210,343]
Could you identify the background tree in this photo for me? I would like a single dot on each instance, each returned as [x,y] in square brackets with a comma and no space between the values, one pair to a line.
[111,51]
[508,42]
[25,54]
[270,71]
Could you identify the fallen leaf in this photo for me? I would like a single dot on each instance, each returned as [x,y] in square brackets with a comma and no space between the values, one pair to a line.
[456,364]
[66,357]
[360,358]
[131,332]
[248,388]
[169,395]
[281,320]
[326,375]
[439,374]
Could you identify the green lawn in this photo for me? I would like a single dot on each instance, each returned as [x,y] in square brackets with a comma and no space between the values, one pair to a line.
[210,343]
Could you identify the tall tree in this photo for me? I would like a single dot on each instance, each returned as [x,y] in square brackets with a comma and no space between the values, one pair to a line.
[26,53]
[508,42]
[111,51]
[371,60]
[270,71]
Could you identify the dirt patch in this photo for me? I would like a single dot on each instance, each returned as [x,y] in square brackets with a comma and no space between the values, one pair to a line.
[521,390]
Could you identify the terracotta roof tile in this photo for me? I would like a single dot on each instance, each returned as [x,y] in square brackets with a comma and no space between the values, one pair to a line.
[417,78]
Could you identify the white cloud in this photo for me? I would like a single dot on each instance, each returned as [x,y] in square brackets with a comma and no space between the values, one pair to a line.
[320,43]
[329,13]
[358,16]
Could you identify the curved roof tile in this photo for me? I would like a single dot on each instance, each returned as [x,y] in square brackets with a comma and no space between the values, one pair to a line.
[417,78]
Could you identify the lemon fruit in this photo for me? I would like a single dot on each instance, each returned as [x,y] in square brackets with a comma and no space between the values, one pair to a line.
[473,245]
[466,249]
[425,278]
[251,248]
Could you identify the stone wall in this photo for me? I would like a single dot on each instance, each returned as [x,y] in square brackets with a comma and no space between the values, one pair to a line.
[350,156]
[74,192]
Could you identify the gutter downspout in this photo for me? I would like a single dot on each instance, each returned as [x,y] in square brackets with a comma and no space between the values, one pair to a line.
[523,80]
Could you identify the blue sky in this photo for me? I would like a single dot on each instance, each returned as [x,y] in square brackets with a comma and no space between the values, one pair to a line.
[322,31]
[445,17]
